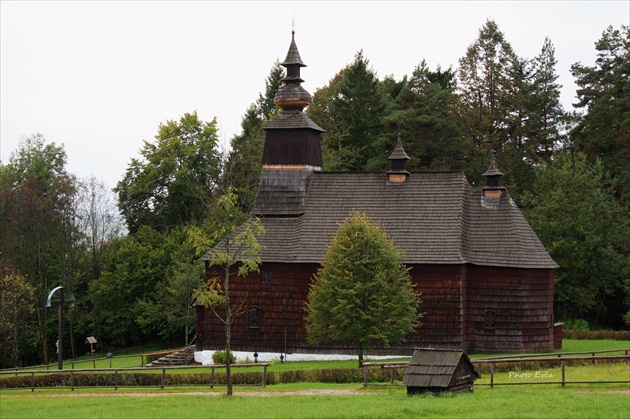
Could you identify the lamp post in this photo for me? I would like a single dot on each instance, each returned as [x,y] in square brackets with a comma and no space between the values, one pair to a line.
[62,300]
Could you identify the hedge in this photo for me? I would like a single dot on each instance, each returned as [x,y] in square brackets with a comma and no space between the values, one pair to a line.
[133,379]
[596,334]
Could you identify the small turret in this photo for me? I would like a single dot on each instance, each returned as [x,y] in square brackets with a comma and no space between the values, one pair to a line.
[493,191]
[398,173]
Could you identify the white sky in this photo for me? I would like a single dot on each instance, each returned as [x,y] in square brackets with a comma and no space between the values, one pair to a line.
[99,77]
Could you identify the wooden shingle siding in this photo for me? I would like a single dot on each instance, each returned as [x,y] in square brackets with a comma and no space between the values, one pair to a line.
[523,309]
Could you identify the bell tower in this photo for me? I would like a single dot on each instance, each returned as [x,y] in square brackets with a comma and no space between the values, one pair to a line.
[292,146]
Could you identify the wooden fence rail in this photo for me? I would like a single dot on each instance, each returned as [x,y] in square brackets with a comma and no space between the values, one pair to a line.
[560,358]
[561,361]
[74,372]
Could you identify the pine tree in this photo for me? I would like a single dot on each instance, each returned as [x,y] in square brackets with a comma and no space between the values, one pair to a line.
[604,93]
[422,113]
[244,162]
[351,109]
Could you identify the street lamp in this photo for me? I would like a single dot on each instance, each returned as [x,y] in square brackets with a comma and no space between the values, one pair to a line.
[68,301]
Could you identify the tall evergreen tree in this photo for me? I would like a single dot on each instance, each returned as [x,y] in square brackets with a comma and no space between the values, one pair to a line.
[545,116]
[422,113]
[603,131]
[508,105]
[353,110]
[244,162]
[486,88]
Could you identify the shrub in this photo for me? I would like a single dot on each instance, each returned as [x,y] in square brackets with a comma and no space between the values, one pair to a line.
[578,325]
[220,357]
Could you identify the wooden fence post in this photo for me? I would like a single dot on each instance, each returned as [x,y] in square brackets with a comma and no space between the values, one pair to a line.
[264,377]
[491,374]
[562,373]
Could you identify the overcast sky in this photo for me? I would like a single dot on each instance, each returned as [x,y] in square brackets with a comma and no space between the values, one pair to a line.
[99,77]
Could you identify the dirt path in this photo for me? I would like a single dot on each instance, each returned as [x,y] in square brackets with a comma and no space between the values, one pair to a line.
[201,393]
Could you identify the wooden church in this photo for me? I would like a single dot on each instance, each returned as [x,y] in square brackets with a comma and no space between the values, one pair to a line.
[486,279]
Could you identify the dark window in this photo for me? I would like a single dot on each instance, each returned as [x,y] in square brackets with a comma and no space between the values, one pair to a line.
[266,277]
[490,319]
[255,315]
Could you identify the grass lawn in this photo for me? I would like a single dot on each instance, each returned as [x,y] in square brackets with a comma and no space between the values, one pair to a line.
[318,400]
[504,402]
[568,345]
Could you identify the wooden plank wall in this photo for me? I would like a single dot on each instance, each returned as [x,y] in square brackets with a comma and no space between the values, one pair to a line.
[521,299]
[522,302]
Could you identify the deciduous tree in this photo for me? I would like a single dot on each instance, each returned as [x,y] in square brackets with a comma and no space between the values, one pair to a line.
[38,237]
[235,254]
[174,182]
[586,231]
[362,294]
[17,306]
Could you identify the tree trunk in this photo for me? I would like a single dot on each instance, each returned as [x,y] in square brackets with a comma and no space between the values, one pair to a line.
[41,320]
[360,353]
[228,323]
[73,343]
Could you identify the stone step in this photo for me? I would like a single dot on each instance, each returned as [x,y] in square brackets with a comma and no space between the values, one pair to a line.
[181,357]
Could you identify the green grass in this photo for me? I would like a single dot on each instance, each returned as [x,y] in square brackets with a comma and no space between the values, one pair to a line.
[289,400]
[576,345]
[505,402]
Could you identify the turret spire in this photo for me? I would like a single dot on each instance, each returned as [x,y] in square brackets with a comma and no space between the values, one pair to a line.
[398,173]
[292,95]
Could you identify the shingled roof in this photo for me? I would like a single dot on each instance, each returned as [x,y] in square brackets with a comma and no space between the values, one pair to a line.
[435,217]
[438,368]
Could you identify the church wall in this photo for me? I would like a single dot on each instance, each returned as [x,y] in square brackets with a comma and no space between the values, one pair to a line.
[509,310]
[456,300]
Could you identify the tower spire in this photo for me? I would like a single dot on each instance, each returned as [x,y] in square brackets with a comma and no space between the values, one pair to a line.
[292,150]
[292,95]
[398,173]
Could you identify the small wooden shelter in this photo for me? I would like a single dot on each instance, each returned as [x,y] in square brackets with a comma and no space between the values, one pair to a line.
[438,370]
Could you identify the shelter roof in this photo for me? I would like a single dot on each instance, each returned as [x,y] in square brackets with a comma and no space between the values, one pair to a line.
[435,367]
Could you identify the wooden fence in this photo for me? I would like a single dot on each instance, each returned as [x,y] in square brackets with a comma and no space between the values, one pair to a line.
[116,371]
[561,358]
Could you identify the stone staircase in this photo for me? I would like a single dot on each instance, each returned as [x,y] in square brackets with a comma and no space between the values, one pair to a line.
[184,356]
